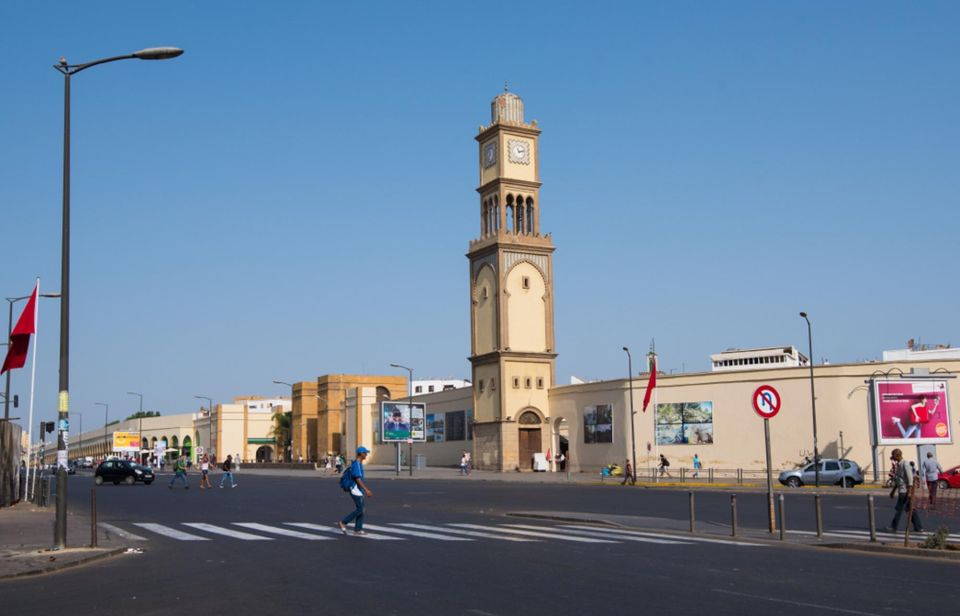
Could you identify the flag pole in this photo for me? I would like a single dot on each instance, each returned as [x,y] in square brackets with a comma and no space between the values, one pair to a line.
[33,378]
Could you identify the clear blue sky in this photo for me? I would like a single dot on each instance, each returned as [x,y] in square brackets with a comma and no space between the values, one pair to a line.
[294,195]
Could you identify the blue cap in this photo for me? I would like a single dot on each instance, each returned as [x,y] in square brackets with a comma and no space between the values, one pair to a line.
[361,449]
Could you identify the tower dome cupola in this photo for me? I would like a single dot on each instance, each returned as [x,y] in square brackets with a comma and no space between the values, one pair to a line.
[506,108]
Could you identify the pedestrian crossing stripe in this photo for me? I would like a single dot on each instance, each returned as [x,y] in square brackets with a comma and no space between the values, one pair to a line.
[469,533]
[227,532]
[337,531]
[285,532]
[173,533]
[530,533]
[116,530]
[415,533]
[617,532]
[599,533]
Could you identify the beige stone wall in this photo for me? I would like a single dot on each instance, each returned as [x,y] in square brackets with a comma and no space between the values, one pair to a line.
[842,405]
[486,311]
[304,420]
[526,310]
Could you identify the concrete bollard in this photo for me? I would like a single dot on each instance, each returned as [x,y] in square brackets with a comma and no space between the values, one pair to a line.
[783,518]
[819,510]
[873,519]
[733,515]
[693,517]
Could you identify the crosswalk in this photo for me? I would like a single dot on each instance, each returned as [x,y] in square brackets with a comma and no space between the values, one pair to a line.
[460,532]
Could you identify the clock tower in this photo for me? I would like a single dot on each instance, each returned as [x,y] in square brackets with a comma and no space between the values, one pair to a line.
[511,296]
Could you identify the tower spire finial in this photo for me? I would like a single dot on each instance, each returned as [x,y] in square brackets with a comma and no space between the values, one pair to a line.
[506,88]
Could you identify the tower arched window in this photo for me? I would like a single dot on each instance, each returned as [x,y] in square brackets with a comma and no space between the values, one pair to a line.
[519,227]
[510,220]
[530,216]
[485,217]
[496,213]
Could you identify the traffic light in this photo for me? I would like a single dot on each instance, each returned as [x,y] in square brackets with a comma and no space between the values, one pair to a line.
[49,426]
[16,401]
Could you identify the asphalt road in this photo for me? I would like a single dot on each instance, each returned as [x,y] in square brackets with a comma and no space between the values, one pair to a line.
[553,572]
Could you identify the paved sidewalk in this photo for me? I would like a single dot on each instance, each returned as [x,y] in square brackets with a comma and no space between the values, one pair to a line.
[26,537]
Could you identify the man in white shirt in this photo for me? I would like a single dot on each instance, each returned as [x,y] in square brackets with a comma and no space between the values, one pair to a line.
[931,472]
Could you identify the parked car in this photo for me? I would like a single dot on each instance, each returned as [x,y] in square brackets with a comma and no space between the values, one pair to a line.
[949,478]
[845,473]
[122,470]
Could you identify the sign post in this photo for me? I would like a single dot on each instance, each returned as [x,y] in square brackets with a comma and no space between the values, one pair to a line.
[766,402]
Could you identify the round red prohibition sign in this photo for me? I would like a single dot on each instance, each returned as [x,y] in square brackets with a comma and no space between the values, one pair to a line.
[766,401]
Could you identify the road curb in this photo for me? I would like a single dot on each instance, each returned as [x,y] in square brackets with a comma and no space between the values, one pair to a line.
[64,565]
[894,550]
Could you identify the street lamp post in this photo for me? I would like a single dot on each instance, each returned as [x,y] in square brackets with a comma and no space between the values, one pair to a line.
[209,419]
[633,429]
[106,412]
[813,402]
[63,399]
[409,410]
[139,427]
[10,302]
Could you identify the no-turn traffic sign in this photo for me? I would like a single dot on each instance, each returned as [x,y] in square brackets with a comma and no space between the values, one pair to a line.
[766,401]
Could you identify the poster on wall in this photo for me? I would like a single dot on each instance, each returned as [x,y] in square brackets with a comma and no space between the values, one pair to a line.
[598,424]
[685,423]
[402,422]
[435,428]
[911,412]
[126,441]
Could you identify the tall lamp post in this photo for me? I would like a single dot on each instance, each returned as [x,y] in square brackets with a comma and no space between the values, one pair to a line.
[410,410]
[139,427]
[10,302]
[63,399]
[633,429]
[813,402]
[106,413]
[209,419]
[289,444]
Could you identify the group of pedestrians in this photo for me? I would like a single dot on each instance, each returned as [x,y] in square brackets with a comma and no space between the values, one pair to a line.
[180,468]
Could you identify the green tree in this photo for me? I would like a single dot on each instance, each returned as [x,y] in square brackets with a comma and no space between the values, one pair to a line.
[140,414]
[281,432]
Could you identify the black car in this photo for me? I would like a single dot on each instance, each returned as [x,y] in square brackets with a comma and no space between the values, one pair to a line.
[122,470]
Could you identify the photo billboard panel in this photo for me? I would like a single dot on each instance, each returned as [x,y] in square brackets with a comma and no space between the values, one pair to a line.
[911,412]
[126,441]
[401,422]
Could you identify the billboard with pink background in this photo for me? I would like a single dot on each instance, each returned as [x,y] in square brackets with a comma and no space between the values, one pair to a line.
[912,412]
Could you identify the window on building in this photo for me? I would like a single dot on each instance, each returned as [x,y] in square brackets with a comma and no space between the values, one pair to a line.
[480,384]
[456,426]
[539,382]
[418,389]
[516,382]
[526,282]
[527,383]
[493,384]
[430,389]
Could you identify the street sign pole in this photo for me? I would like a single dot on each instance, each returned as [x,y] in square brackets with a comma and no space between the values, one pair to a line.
[770,511]
[766,403]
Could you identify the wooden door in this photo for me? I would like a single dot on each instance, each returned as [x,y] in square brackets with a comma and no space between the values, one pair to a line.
[529,445]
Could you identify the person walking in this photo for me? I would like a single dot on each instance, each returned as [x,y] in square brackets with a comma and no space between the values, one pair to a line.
[179,472]
[697,465]
[228,472]
[205,472]
[903,489]
[465,463]
[664,465]
[358,490]
[629,476]
[339,463]
[931,472]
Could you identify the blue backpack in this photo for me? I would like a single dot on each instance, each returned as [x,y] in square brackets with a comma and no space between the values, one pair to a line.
[346,480]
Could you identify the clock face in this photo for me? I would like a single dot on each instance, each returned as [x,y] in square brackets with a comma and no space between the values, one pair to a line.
[519,151]
[489,154]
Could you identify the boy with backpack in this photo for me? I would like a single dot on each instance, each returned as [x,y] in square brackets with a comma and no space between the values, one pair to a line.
[228,472]
[180,472]
[352,481]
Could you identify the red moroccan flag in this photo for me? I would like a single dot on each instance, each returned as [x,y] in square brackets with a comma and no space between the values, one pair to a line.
[651,384]
[20,337]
